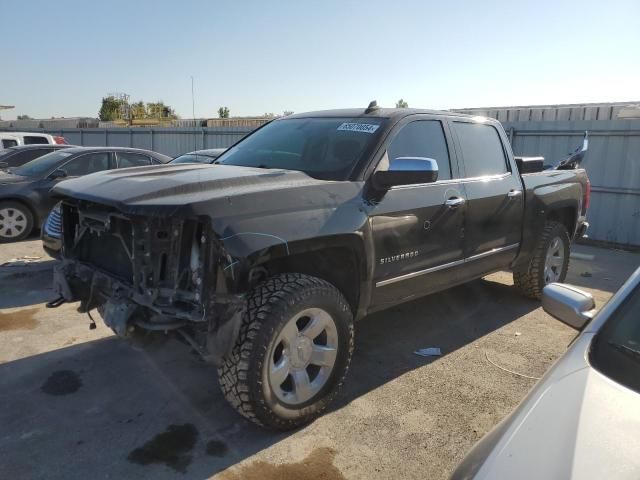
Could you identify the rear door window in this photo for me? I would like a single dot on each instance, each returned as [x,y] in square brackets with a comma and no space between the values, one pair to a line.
[7,143]
[33,140]
[86,164]
[25,156]
[422,138]
[127,159]
[482,150]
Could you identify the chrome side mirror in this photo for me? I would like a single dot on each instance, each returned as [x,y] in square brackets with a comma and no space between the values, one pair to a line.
[568,304]
[407,171]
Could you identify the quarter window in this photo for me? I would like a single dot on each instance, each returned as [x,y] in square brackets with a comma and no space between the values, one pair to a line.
[422,138]
[482,150]
[90,163]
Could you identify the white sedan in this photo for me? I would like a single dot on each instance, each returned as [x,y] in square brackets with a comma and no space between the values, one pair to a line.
[582,420]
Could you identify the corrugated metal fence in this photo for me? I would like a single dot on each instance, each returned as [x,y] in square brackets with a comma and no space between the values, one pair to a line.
[613,160]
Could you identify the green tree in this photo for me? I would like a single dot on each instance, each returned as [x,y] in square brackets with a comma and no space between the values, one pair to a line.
[223,112]
[24,117]
[159,110]
[401,104]
[110,109]
[138,110]
[286,113]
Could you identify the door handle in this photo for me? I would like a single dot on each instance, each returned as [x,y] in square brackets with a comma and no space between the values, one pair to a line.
[455,202]
[514,193]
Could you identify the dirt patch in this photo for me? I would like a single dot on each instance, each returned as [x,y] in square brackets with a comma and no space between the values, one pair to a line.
[18,320]
[62,382]
[171,447]
[317,466]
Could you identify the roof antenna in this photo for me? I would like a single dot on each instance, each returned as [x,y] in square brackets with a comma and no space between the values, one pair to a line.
[373,106]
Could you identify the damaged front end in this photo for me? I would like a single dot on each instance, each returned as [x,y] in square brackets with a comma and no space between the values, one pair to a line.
[149,273]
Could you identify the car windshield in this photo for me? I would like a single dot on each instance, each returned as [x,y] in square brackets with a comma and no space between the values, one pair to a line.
[324,148]
[616,350]
[193,158]
[41,166]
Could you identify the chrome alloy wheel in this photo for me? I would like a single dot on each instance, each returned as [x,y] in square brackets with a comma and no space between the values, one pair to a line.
[554,261]
[12,222]
[302,357]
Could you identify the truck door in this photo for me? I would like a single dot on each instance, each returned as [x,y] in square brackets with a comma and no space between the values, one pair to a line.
[417,229]
[495,203]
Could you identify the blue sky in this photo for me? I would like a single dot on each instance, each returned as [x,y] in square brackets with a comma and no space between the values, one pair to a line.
[60,58]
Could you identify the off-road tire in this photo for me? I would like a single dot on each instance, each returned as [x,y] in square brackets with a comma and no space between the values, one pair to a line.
[24,211]
[530,281]
[268,308]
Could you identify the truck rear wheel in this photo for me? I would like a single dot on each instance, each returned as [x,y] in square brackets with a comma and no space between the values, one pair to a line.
[292,352]
[549,264]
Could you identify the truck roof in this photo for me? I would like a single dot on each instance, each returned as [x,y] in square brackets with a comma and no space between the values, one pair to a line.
[376,113]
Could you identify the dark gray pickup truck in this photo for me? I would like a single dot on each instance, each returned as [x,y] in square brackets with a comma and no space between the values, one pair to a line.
[264,260]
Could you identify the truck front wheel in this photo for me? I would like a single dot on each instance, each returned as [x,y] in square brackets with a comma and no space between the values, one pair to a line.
[549,263]
[292,352]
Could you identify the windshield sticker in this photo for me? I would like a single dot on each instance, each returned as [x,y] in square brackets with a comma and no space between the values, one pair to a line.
[358,127]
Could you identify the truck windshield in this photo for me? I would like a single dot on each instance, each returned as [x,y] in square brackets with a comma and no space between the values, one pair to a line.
[616,350]
[324,148]
[41,166]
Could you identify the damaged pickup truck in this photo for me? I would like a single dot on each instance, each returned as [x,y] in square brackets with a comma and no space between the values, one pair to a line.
[264,260]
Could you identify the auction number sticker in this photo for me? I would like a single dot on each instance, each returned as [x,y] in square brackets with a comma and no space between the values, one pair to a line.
[358,127]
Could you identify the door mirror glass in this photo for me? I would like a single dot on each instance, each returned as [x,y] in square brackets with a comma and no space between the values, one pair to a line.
[407,171]
[58,173]
[568,304]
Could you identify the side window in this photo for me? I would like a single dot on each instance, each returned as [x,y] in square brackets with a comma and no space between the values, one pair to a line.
[90,163]
[127,159]
[422,138]
[482,150]
[6,143]
[33,140]
[26,156]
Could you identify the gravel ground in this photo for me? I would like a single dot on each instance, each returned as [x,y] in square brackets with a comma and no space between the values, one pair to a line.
[80,403]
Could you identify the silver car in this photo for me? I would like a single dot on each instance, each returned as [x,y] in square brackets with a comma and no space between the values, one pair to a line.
[582,420]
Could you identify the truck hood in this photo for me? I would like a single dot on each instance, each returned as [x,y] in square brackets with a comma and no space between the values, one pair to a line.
[172,187]
[277,203]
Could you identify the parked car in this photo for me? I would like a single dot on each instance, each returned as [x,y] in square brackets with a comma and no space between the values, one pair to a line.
[306,224]
[14,139]
[582,420]
[16,156]
[199,156]
[24,190]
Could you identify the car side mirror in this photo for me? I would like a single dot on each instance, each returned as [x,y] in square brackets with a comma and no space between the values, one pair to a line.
[407,171]
[568,304]
[58,173]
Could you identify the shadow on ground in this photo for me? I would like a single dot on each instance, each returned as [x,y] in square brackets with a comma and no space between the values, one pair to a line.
[25,286]
[112,407]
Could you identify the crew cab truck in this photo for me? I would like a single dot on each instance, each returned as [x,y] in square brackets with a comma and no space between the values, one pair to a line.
[264,260]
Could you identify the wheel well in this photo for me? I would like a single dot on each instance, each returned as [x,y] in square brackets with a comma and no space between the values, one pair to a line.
[36,220]
[337,265]
[566,216]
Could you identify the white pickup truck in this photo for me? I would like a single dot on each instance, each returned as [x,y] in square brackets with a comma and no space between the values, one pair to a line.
[13,139]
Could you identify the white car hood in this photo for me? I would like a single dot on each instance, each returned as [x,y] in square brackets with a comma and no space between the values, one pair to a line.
[575,425]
